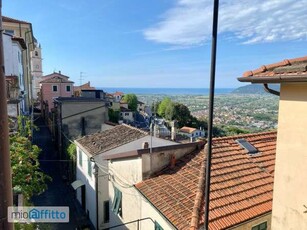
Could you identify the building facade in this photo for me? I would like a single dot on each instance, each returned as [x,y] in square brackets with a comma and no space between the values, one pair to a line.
[93,193]
[13,48]
[290,187]
[53,86]
[23,29]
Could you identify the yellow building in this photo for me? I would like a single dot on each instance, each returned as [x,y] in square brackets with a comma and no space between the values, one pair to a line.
[290,179]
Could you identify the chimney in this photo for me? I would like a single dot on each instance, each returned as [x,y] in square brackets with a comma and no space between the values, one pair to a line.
[156,130]
[173,130]
[172,161]
[59,71]
[145,145]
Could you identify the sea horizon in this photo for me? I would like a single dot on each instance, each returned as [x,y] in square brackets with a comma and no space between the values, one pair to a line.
[166,91]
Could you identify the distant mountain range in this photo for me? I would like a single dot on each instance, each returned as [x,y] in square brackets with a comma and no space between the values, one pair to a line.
[254,89]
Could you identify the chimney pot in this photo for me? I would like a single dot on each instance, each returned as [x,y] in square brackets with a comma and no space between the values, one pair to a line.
[145,145]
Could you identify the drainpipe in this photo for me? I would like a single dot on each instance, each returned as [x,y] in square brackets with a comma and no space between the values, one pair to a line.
[271,91]
[211,107]
[96,188]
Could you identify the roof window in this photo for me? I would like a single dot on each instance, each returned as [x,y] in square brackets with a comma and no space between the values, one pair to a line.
[246,145]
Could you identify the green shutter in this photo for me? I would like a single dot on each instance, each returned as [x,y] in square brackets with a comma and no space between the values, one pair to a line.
[89,167]
[157,226]
[80,157]
[117,202]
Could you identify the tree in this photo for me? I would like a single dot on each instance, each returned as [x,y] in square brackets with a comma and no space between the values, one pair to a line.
[165,103]
[27,178]
[132,101]
[113,115]
[182,114]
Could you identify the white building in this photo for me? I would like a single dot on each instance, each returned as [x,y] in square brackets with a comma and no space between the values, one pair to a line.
[92,173]
[13,47]
[192,133]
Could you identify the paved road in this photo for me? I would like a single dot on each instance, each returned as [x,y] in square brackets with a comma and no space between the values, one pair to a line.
[58,193]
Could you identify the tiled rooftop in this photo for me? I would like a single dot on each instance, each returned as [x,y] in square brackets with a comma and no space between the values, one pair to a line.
[56,79]
[8,19]
[186,129]
[106,140]
[117,93]
[241,184]
[284,70]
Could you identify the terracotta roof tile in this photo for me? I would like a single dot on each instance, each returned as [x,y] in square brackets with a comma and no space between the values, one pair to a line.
[241,184]
[56,79]
[186,129]
[109,139]
[287,67]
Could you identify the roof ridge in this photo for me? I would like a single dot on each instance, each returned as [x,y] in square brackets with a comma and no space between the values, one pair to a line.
[199,195]
[264,68]
[243,135]
[131,127]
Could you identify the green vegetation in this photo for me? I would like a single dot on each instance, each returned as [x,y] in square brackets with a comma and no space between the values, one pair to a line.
[26,175]
[72,151]
[132,101]
[113,115]
[170,110]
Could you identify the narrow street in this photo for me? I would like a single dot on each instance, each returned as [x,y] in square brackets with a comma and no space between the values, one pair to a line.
[59,193]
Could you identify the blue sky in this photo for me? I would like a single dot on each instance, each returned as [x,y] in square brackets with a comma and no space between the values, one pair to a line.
[161,43]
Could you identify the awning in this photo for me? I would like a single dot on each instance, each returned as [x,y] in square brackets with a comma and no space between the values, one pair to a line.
[77,184]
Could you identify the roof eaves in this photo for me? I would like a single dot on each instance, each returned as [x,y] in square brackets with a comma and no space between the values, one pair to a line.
[274,79]
[9,19]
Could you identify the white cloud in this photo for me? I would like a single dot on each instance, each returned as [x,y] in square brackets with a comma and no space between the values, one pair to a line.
[189,22]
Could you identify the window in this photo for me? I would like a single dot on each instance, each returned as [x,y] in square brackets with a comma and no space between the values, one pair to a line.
[262,226]
[106,213]
[157,226]
[54,88]
[68,88]
[117,202]
[11,32]
[36,53]
[126,114]
[80,157]
[89,167]
[246,145]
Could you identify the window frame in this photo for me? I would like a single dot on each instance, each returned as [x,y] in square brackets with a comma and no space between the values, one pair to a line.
[259,227]
[53,88]
[69,88]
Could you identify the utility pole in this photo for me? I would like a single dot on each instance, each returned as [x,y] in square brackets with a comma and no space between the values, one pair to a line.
[211,107]
[6,196]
